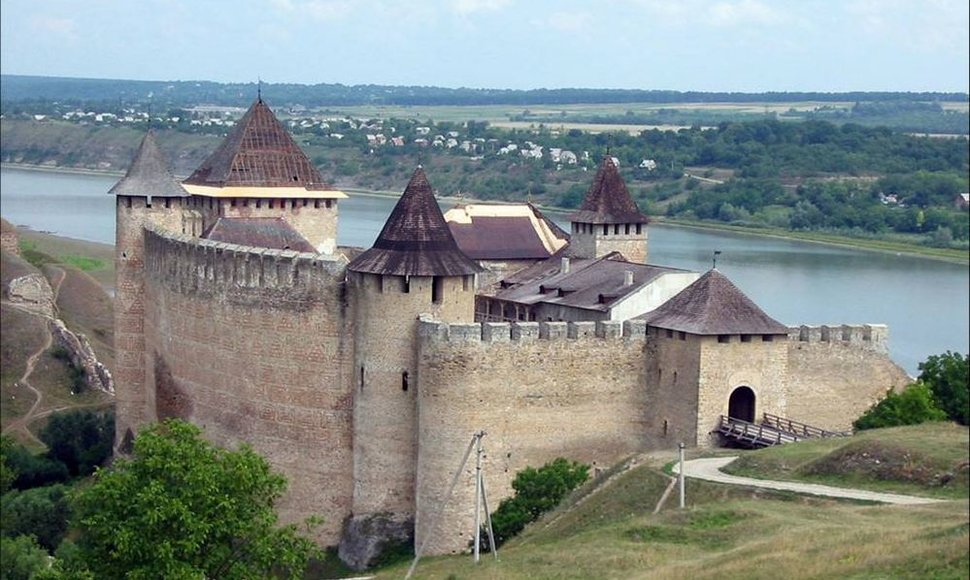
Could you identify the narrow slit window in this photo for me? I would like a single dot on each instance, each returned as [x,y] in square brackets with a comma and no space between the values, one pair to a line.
[437,289]
[404,381]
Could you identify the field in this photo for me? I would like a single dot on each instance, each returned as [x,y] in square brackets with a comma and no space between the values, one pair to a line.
[610,531]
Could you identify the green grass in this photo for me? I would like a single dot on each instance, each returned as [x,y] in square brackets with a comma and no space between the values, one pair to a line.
[929,459]
[608,529]
[894,246]
[83,263]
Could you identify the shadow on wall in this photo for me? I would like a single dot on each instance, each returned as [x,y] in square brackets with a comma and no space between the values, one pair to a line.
[170,400]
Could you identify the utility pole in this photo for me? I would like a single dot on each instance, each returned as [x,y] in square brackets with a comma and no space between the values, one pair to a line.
[478,494]
[680,474]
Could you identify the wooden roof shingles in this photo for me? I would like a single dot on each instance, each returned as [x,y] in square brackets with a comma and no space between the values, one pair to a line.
[713,305]
[274,233]
[148,175]
[258,152]
[415,240]
[607,200]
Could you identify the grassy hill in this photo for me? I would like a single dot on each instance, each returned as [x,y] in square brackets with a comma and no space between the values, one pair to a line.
[610,531]
[81,302]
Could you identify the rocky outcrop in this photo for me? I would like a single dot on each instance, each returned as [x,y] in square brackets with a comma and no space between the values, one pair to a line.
[367,538]
[82,356]
[33,292]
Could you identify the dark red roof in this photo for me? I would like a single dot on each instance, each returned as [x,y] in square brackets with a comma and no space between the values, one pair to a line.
[590,283]
[273,233]
[148,174]
[258,152]
[415,240]
[713,305]
[499,238]
[607,200]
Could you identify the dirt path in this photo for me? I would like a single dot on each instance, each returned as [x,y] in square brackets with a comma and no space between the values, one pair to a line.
[709,469]
[22,423]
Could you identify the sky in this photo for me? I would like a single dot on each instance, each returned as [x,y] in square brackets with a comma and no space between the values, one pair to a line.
[701,45]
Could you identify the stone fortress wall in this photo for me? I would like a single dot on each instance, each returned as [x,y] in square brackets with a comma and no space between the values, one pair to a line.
[599,391]
[259,346]
[253,345]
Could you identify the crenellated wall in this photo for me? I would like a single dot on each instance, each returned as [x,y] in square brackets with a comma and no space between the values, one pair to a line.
[539,390]
[837,372]
[253,345]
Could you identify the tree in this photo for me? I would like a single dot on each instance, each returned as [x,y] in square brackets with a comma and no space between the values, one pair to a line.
[948,377]
[42,512]
[184,508]
[7,471]
[21,558]
[536,492]
[912,406]
[81,439]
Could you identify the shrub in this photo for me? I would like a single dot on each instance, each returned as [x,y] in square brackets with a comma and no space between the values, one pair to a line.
[42,512]
[21,558]
[948,377]
[81,440]
[536,492]
[914,405]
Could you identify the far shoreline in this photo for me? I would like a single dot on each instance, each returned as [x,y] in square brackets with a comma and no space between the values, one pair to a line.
[952,256]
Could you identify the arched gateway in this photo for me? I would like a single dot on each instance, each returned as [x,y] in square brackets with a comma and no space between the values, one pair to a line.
[741,404]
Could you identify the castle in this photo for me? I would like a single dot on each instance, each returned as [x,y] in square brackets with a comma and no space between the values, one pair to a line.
[362,375]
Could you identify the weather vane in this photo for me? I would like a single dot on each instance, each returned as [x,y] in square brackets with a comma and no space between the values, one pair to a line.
[716,254]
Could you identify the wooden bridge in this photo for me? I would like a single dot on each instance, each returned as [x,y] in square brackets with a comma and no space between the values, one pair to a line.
[773,430]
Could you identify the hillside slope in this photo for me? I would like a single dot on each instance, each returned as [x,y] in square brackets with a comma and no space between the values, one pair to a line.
[728,532]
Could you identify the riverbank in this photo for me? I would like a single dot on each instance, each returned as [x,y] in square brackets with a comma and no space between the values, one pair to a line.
[887,246]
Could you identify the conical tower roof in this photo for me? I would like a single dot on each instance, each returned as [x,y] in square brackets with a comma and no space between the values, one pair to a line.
[258,152]
[148,174]
[713,305]
[607,200]
[415,240]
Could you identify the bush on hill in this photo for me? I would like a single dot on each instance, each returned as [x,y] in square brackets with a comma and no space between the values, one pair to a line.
[948,377]
[536,492]
[912,406]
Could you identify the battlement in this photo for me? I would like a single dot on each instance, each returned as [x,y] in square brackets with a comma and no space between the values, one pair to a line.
[188,264]
[435,331]
[865,336]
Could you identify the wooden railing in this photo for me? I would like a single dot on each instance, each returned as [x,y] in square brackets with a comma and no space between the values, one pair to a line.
[798,428]
[753,434]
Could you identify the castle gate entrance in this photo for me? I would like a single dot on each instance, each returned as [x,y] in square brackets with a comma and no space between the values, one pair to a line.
[741,404]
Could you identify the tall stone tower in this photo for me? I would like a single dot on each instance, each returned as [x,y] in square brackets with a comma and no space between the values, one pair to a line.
[712,351]
[609,220]
[259,172]
[147,195]
[414,268]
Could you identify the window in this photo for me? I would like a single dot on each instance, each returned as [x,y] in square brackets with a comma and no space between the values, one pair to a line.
[406,284]
[767,338]
[670,333]
[362,378]
[745,338]
[437,289]
[724,338]
[682,335]
[638,227]
[404,381]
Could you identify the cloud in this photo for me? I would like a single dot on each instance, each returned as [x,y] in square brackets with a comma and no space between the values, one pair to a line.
[930,26]
[320,10]
[568,21]
[65,28]
[743,13]
[466,7]
[719,13]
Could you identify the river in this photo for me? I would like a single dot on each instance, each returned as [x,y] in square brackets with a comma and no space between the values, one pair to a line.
[925,302]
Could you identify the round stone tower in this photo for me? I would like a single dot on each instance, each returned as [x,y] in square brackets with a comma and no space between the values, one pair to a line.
[414,268]
[609,220]
[146,196]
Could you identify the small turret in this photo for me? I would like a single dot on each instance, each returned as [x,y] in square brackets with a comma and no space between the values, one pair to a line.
[609,220]
[414,268]
[148,195]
